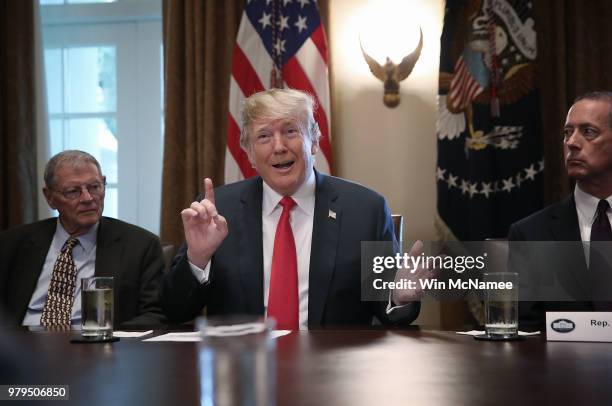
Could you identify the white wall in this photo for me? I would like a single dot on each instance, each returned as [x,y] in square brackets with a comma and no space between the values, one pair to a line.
[392,151]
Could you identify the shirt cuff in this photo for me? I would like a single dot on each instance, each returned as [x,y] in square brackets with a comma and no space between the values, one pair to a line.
[391,307]
[396,314]
[202,275]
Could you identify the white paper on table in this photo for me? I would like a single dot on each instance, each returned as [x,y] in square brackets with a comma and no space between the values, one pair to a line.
[479,332]
[279,333]
[194,336]
[131,334]
[185,337]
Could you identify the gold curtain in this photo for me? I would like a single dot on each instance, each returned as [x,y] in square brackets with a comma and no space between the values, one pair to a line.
[18,195]
[575,55]
[199,37]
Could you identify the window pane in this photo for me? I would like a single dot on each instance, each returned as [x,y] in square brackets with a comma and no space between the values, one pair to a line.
[90,1]
[90,79]
[53,72]
[56,136]
[111,200]
[98,137]
[162,93]
[47,2]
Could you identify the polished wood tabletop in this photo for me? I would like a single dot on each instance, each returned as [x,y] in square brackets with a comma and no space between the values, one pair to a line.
[369,367]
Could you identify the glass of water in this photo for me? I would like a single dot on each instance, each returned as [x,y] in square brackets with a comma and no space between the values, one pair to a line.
[501,304]
[237,361]
[97,307]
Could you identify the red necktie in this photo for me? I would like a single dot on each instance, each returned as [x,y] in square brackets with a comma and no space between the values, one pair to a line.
[283,294]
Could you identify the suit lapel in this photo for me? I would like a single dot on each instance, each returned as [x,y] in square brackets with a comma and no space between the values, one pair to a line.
[325,229]
[564,221]
[108,249]
[33,258]
[250,252]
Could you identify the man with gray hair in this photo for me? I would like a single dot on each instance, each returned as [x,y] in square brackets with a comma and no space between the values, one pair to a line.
[42,264]
[287,243]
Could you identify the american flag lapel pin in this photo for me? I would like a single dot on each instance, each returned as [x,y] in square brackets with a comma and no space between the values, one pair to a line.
[332,214]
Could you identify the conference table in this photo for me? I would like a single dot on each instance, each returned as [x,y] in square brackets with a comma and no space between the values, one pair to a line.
[340,367]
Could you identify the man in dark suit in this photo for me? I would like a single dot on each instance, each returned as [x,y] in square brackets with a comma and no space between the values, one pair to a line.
[29,254]
[286,243]
[576,275]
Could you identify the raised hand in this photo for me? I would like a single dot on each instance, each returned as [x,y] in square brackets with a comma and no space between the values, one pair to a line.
[205,229]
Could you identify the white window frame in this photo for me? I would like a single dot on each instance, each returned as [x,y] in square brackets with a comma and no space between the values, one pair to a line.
[134,27]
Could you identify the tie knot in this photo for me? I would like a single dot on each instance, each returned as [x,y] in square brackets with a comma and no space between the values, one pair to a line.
[603,206]
[287,203]
[70,244]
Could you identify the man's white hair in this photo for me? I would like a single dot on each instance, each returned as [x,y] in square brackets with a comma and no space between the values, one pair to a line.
[275,104]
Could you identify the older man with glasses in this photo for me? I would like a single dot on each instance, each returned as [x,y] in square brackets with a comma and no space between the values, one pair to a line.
[41,264]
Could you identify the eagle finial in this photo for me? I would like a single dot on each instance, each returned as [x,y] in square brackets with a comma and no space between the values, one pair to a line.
[391,74]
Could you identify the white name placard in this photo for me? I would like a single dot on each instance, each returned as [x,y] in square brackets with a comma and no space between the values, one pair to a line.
[579,326]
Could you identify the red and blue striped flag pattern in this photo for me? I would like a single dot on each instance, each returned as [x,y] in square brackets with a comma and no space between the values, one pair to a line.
[288,35]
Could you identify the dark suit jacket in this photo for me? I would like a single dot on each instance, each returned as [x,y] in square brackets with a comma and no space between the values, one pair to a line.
[130,254]
[236,277]
[562,265]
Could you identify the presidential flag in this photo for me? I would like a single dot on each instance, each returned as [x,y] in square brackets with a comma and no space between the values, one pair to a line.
[281,43]
[490,160]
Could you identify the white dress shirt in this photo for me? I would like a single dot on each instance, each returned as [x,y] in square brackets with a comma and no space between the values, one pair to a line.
[586,208]
[84,255]
[302,218]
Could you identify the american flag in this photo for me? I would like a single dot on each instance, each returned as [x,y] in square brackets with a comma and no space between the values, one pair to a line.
[286,35]
[470,78]
[464,88]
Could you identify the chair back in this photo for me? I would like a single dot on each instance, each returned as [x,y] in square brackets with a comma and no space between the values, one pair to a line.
[169,250]
[398,227]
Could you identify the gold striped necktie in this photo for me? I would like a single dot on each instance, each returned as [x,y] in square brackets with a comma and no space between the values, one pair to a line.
[58,306]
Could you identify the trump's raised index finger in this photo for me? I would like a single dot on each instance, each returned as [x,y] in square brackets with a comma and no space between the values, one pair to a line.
[209,191]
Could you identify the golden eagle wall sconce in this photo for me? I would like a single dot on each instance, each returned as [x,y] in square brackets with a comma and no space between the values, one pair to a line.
[392,74]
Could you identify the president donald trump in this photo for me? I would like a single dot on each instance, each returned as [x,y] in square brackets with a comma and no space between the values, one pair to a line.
[287,243]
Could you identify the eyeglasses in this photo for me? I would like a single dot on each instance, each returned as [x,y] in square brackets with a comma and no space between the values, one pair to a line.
[94,189]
